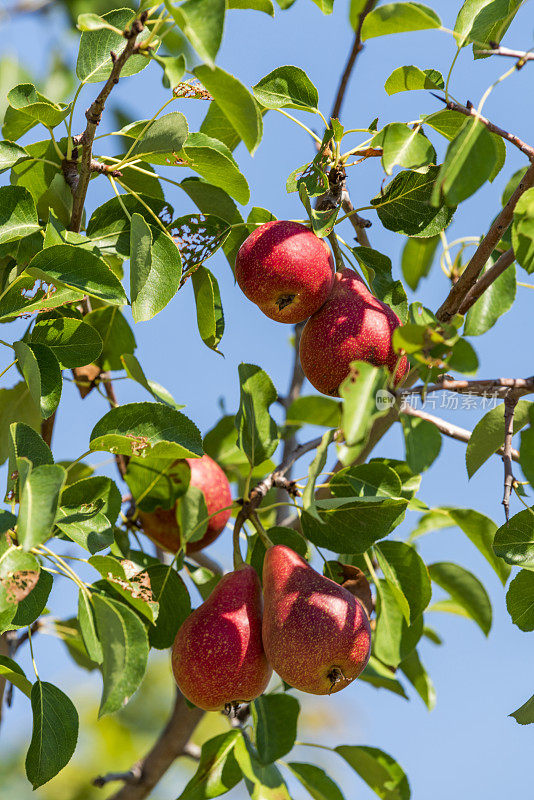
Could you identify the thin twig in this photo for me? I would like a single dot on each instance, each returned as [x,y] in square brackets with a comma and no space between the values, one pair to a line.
[120,460]
[479,259]
[470,111]
[94,115]
[356,48]
[448,429]
[358,223]
[521,55]
[47,428]
[510,402]
[486,279]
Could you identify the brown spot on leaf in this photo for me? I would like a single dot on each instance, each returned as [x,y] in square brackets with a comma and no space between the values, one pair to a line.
[19,584]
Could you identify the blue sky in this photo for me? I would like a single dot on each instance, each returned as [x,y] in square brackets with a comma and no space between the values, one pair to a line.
[467,745]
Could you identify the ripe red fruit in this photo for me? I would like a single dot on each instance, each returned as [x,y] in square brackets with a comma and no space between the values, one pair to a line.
[217,656]
[353,325]
[162,526]
[286,270]
[316,634]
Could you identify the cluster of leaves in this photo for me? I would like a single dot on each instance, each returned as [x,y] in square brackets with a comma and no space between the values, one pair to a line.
[68,285]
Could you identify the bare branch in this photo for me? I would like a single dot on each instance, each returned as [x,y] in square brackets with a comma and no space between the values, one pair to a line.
[357,46]
[470,111]
[94,115]
[358,223]
[492,387]
[120,460]
[522,55]
[142,778]
[448,429]
[486,279]
[477,263]
[510,402]
[47,428]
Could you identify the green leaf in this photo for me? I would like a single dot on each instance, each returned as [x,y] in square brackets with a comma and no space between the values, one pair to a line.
[478,528]
[38,504]
[11,154]
[19,574]
[158,482]
[423,442]
[33,104]
[42,374]
[526,453]
[488,434]
[109,226]
[32,606]
[404,205]
[80,269]
[218,771]
[173,69]
[419,678]
[162,138]
[314,470]
[214,161]
[403,147]
[214,200]
[469,162]
[168,589]
[236,103]
[116,335]
[314,410]
[18,216]
[359,393]
[10,671]
[381,677]
[193,515]
[520,600]
[352,525]
[322,220]
[128,581]
[287,87]
[135,372]
[523,231]
[262,782]
[215,124]
[407,577]
[202,22]
[25,442]
[88,509]
[92,22]
[492,304]
[378,769]
[466,590]
[138,429]
[525,714]
[125,651]
[55,733]
[514,541]
[94,61]
[398,18]
[275,720]
[257,432]
[394,639]
[16,405]
[155,270]
[404,79]
[315,780]
[210,317]
[87,627]
[73,342]
[367,480]
[378,267]
[417,258]
[13,302]
[257,5]
[484,21]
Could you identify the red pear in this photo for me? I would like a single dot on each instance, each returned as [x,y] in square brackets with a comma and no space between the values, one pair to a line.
[217,657]
[286,270]
[162,526]
[315,633]
[353,325]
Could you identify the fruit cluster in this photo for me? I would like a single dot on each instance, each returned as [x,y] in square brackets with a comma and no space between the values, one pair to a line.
[288,272]
[313,632]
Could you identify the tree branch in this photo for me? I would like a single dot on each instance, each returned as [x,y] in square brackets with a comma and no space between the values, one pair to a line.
[450,430]
[486,279]
[120,460]
[94,115]
[141,779]
[521,55]
[4,651]
[357,46]
[477,263]
[493,387]
[510,402]
[470,111]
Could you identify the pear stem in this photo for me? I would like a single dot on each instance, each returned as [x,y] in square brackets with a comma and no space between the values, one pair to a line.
[261,531]
[238,558]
